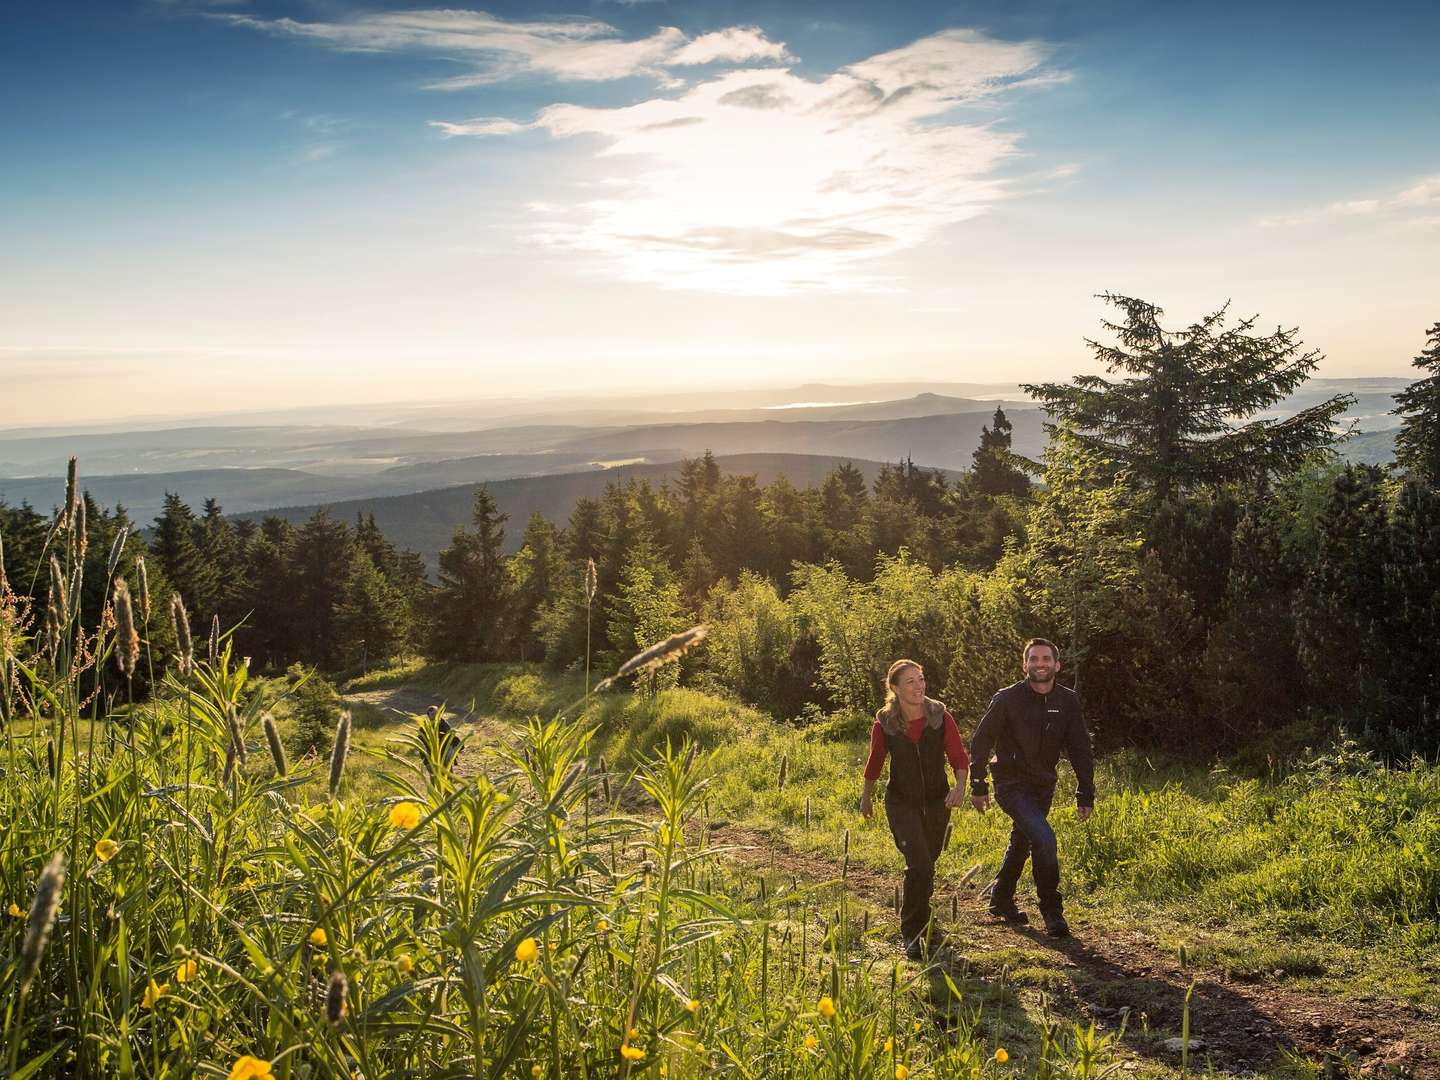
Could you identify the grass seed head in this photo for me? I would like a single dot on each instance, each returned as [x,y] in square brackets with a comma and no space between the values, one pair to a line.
[237,733]
[184,647]
[342,748]
[214,639]
[127,641]
[592,581]
[69,518]
[41,920]
[4,584]
[59,599]
[116,550]
[82,534]
[144,591]
[335,994]
[665,652]
[272,739]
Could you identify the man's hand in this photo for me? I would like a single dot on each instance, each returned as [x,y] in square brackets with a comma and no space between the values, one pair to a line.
[1084,812]
[956,797]
[980,802]
[867,807]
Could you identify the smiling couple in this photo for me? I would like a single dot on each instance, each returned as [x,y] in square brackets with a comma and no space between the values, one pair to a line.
[1026,727]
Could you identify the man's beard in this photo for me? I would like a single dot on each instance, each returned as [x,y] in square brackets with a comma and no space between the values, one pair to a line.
[1037,678]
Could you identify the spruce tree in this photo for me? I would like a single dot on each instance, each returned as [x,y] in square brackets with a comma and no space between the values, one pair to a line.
[1417,444]
[994,471]
[469,606]
[1182,417]
[181,559]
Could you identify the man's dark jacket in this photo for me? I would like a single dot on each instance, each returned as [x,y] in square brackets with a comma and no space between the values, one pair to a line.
[1027,732]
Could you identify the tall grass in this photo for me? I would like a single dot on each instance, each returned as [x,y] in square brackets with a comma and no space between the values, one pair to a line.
[221,913]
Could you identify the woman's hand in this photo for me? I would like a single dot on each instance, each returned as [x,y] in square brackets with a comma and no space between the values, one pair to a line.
[867,806]
[956,797]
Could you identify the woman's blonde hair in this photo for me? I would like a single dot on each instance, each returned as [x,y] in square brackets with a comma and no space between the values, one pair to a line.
[893,674]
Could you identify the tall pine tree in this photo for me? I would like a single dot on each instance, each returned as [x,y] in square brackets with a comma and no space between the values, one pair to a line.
[1417,444]
[467,623]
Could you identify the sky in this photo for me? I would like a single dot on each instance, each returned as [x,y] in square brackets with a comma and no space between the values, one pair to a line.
[210,206]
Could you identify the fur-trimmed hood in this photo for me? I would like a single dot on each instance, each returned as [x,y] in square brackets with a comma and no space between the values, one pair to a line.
[893,723]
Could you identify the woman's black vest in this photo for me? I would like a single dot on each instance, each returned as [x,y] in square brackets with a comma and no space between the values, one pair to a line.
[917,770]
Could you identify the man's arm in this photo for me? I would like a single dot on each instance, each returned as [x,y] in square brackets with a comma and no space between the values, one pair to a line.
[1082,760]
[981,747]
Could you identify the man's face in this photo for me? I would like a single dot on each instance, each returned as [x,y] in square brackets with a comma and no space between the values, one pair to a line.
[1040,664]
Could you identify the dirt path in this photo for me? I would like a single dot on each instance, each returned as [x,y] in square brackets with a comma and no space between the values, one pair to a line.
[1241,1025]
[479,732]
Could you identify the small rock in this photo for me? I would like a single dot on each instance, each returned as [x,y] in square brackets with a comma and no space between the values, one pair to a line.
[1177,1045]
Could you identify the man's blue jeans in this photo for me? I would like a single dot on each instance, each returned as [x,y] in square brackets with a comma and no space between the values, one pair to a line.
[1032,838]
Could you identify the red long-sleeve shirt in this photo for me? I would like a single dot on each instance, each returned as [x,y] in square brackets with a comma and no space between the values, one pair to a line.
[954,746]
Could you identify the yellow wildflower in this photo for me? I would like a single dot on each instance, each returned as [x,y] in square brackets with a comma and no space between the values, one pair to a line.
[251,1068]
[699,1048]
[810,1042]
[916,1027]
[188,971]
[404,815]
[14,909]
[631,1053]
[827,1007]
[1001,1056]
[602,926]
[105,850]
[405,963]
[153,993]
[693,1005]
[535,1070]
[901,1072]
[318,937]
[633,1033]
[527,950]
[889,1044]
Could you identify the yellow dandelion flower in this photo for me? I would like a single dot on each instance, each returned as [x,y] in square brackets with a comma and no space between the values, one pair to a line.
[405,963]
[827,1007]
[404,815]
[700,1048]
[188,971]
[14,909]
[810,1042]
[318,937]
[916,1027]
[251,1068]
[602,926]
[153,993]
[631,1053]
[535,1070]
[633,1033]
[527,950]
[889,1044]
[105,850]
[901,1072]
[693,1005]
[1001,1056]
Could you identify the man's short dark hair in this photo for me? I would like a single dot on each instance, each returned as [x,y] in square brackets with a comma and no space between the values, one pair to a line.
[1040,641]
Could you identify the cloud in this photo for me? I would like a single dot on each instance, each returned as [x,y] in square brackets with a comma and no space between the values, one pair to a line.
[1407,206]
[493,125]
[765,181]
[495,49]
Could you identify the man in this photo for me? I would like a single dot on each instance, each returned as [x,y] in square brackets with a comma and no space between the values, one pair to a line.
[1027,726]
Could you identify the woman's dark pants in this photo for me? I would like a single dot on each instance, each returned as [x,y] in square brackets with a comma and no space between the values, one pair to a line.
[919,831]
[1033,838]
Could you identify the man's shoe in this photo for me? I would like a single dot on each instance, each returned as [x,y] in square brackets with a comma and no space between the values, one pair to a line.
[1008,912]
[1056,926]
[915,949]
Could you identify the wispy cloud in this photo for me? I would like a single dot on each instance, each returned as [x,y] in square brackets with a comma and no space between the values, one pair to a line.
[765,181]
[496,49]
[1412,206]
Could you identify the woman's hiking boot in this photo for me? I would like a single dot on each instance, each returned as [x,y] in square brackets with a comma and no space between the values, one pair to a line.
[1056,926]
[1006,911]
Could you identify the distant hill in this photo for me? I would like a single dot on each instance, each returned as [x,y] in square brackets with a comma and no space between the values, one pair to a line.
[425,521]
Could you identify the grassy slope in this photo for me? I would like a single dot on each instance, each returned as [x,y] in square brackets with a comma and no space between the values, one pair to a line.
[1327,881]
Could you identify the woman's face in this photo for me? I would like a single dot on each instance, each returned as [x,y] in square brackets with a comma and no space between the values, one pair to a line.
[910,686]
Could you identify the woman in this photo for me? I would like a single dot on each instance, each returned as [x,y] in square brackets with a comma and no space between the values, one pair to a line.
[918,734]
